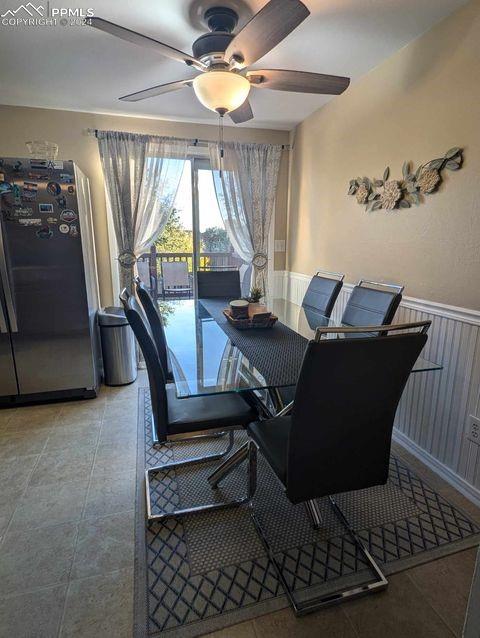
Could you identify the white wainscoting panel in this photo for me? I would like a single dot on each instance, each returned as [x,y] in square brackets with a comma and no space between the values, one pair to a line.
[432,419]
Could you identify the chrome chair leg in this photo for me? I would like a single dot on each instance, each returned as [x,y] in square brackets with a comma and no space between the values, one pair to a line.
[204,435]
[314,513]
[198,459]
[276,399]
[229,464]
[301,608]
[250,454]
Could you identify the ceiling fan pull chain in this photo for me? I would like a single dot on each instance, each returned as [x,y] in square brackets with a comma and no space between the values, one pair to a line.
[220,141]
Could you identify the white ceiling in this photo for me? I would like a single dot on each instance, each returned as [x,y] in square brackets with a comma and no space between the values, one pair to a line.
[80,68]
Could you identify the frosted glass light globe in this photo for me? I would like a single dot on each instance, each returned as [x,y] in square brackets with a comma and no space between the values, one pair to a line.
[221,91]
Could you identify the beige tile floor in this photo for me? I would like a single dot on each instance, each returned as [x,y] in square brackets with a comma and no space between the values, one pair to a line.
[67,481]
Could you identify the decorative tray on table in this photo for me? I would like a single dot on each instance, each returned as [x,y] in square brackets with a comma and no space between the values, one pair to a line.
[245,317]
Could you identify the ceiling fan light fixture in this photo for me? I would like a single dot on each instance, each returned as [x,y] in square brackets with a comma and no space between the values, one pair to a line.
[221,91]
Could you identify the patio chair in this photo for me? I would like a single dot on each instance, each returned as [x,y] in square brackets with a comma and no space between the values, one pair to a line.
[176,279]
[143,270]
[218,283]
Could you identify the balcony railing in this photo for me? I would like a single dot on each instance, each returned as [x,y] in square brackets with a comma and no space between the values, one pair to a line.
[150,266]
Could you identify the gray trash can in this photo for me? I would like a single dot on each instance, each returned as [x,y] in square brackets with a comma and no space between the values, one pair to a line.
[118,347]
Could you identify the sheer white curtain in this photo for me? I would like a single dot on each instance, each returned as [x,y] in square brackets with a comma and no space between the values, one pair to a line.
[165,161]
[245,185]
[142,174]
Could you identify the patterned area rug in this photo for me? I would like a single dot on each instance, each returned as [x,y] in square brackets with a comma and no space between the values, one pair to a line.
[205,572]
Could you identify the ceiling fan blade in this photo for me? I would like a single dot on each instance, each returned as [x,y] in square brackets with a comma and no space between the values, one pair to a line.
[265,30]
[298,81]
[156,90]
[242,114]
[145,41]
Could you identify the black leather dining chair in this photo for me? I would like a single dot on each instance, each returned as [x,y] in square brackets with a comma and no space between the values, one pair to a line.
[218,283]
[176,419]
[338,435]
[322,292]
[372,303]
[318,302]
[155,322]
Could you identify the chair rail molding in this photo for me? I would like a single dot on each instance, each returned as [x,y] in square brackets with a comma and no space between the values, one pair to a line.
[433,416]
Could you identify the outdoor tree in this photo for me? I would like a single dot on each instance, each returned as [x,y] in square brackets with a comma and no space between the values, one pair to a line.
[175,238]
[215,240]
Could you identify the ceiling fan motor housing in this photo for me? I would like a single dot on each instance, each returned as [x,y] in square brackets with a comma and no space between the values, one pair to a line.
[211,46]
[221,19]
[210,43]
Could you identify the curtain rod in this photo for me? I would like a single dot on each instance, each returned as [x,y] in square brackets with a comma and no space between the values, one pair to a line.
[93,132]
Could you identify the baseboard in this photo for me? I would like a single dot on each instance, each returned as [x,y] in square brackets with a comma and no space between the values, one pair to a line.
[448,475]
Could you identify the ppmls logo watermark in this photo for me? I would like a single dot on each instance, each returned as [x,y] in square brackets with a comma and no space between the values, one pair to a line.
[38,15]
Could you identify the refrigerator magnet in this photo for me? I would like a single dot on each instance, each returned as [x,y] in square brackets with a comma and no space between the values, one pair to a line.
[66,178]
[30,222]
[71,189]
[73,230]
[45,208]
[5,187]
[38,176]
[38,163]
[68,216]
[64,229]
[17,195]
[19,213]
[52,220]
[30,190]
[24,211]
[61,201]
[44,233]
[54,188]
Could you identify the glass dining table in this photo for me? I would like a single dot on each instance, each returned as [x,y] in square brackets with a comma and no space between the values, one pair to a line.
[209,356]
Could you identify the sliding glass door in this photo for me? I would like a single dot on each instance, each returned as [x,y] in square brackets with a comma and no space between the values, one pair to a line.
[194,238]
[213,247]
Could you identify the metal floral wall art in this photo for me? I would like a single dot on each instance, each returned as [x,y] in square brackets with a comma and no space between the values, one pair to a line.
[391,194]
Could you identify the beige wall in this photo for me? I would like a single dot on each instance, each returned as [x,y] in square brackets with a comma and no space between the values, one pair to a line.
[68,130]
[415,106]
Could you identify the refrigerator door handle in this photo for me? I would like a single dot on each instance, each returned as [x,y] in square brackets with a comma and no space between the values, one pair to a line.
[7,291]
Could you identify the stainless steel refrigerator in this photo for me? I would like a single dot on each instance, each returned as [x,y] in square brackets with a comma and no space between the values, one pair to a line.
[48,283]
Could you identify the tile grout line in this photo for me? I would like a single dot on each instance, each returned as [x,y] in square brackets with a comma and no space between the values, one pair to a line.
[51,431]
[39,456]
[33,590]
[7,421]
[429,604]
[252,622]
[350,623]
[75,544]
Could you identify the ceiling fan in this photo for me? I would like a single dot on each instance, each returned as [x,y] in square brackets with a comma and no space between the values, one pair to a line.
[222,82]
